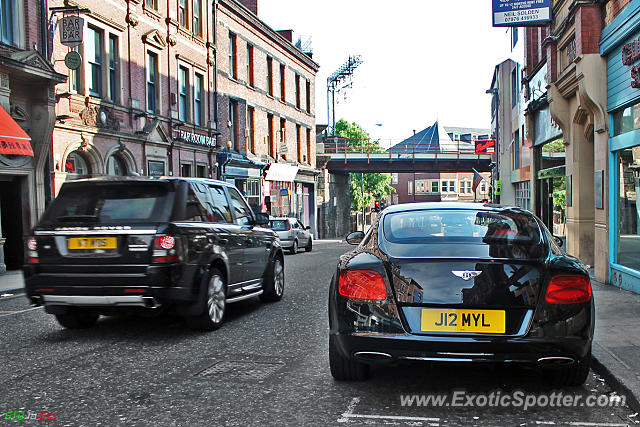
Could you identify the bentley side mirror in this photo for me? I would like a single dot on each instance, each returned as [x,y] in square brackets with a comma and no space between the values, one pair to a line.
[355,238]
[558,240]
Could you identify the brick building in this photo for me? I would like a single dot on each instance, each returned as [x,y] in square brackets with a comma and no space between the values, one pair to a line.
[184,88]
[27,99]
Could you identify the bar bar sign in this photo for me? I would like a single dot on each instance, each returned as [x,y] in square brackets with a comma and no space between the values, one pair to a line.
[71,30]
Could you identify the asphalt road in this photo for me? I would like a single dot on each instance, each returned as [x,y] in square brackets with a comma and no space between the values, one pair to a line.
[267,365]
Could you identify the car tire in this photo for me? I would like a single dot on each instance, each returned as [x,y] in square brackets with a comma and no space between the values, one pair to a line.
[78,318]
[273,287]
[343,369]
[215,304]
[573,375]
[309,246]
[294,248]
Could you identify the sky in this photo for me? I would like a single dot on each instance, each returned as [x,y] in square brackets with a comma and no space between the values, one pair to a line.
[422,59]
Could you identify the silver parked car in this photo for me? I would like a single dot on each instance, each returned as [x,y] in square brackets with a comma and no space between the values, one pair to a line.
[292,233]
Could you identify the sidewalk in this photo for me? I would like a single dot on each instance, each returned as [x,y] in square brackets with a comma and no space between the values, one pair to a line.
[11,281]
[616,346]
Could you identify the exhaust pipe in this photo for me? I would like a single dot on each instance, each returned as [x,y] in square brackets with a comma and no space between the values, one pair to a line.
[372,356]
[150,302]
[555,361]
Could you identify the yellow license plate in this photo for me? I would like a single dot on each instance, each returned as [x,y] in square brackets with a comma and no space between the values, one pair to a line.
[462,320]
[92,243]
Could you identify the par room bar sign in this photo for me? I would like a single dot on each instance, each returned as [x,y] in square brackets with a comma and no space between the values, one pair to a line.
[519,13]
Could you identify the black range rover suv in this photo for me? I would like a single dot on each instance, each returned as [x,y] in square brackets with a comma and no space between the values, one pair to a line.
[189,245]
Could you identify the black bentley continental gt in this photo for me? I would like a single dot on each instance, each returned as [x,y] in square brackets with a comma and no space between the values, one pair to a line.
[460,282]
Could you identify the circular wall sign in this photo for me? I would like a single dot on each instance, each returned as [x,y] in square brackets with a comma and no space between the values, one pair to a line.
[73,60]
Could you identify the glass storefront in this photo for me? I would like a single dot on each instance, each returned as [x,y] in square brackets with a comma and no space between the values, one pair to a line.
[628,230]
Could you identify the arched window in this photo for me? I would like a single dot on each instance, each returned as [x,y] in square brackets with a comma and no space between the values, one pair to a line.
[77,165]
[116,165]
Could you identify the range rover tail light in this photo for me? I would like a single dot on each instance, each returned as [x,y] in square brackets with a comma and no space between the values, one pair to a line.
[362,284]
[32,251]
[568,289]
[166,249]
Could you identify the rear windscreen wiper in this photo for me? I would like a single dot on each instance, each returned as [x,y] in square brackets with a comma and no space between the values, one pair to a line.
[79,218]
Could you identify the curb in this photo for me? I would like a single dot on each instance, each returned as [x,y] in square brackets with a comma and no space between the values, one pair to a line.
[602,370]
[4,291]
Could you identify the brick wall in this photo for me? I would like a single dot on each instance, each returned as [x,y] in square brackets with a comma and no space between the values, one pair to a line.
[252,5]
[588,28]
[613,8]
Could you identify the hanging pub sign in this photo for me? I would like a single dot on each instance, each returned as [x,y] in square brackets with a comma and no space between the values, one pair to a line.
[71,30]
[630,55]
[520,13]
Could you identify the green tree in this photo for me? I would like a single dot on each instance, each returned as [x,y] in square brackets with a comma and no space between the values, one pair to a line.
[377,186]
[556,146]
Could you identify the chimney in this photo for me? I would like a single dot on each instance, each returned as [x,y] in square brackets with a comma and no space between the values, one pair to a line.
[252,5]
[287,34]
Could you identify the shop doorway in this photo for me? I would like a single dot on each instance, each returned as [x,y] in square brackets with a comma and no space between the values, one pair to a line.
[551,206]
[11,221]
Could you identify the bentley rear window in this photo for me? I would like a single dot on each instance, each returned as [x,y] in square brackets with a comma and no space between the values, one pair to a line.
[508,234]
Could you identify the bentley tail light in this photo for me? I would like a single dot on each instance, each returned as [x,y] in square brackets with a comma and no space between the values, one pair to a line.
[568,289]
[362,284]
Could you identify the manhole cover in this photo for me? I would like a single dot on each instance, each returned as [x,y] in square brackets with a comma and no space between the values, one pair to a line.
[241,370]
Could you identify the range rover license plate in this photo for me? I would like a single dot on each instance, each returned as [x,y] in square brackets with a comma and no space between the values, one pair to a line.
[75,243]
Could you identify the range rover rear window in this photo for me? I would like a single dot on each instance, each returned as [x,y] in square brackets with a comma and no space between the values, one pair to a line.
[111,204]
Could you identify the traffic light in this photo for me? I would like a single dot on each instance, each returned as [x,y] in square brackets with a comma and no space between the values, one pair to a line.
[376,206]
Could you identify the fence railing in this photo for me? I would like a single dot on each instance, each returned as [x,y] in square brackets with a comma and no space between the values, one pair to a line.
[422,146]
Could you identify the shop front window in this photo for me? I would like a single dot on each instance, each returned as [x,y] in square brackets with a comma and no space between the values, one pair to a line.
[629,208]
[626,120]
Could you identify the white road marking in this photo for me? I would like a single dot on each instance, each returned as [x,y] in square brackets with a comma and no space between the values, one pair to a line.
[578,423]
[391,417]
[21,311]
[551,423]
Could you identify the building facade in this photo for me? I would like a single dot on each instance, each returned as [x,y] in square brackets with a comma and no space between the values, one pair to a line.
[27,98]
[189,88]
[620,48]
[266,105]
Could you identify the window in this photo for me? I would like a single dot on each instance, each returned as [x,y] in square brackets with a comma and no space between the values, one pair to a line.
[233,109]
[75,76]
[220,210]
[299,143]
[626,120]
[194,210]
[514,87]
[250,79]
[251,127]
[394,178]
[155,168]
[185,169]
[197,17]
[198,99]
[151,4]
[308,96]
[241,211]
[523,194]
[309,146]
[76,164]
[283,137]
[483,187]
[272,139]
[297,91]
[94,57]
[282,83]
[452,186]
[270,75]
[252,193]
[152,82]
[410,187]
[182,13]
[421,186]
[233,68]
[183,102]
[116,166]
[515,151]
[113,68]
[9,22]
[201,171]
[435,186]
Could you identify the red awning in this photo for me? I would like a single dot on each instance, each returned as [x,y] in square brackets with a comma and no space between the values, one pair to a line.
[13,139]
